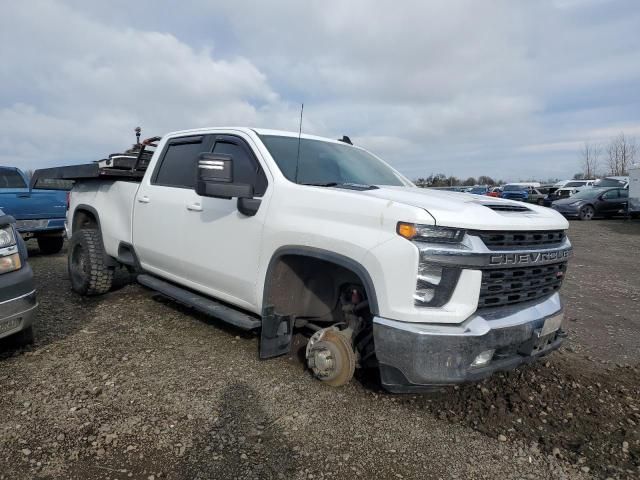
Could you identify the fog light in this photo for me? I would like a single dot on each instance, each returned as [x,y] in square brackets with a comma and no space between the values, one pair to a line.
[483,359]
[429,273]
[424,295]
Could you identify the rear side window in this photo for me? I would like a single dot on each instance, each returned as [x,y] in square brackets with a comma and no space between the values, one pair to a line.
[179,163]
[245,168]
[11,179]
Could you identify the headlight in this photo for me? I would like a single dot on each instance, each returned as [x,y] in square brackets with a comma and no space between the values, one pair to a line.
[7,237]
[434,283]
[10,263]
[429,233]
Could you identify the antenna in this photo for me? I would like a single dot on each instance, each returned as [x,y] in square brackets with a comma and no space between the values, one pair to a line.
[299,135]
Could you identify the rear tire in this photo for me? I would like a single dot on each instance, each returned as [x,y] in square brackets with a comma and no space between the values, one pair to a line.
[587,212]
[87,271]
[50,245]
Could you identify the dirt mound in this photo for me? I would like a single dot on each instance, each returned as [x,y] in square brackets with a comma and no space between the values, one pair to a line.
[564,407]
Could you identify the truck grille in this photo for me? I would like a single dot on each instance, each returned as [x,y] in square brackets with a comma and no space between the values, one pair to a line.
[515,285]
[506,240]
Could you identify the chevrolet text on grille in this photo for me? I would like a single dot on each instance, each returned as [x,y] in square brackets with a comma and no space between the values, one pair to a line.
[528,258]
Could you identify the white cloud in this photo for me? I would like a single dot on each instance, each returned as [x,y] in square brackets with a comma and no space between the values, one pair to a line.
[467,88]
[89,84]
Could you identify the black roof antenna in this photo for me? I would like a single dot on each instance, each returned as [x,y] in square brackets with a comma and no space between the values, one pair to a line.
[299,135]
[345,139]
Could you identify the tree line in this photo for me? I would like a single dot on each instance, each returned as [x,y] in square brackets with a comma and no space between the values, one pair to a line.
[441,180]
[613,158]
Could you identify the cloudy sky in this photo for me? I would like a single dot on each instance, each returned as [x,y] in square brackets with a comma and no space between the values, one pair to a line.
[506,88]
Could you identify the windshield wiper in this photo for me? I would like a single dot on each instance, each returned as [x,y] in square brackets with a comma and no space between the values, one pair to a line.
[347,185]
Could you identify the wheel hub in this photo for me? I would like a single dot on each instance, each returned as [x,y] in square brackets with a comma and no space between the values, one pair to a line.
[331,357]
[321,362]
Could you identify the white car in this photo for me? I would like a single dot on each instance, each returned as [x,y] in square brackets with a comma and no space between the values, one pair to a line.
[572,187]
[270,231]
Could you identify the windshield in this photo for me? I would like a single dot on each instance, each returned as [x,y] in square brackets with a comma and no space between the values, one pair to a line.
[587,193]
[608,182]
[323,163]
[575,184]
[513,188]
[478,190]
[11,179]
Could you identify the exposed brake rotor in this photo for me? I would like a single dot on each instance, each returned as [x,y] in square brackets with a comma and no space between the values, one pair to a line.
[331,357]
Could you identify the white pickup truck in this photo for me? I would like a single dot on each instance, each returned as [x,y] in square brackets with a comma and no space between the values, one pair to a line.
[276,232]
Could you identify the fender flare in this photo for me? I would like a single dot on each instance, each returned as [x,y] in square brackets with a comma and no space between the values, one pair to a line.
[87,208]
[329,256]
[108,259]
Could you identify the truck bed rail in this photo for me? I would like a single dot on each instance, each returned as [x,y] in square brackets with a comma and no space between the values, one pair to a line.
[118,166]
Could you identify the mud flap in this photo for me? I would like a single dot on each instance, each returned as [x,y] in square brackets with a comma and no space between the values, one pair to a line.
[276,333]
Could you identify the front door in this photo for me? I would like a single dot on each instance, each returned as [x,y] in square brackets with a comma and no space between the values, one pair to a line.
[212,247]
[613,201]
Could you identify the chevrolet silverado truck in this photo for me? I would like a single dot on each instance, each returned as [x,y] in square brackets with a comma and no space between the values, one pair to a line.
[39,213]
[281,233]
[17,291]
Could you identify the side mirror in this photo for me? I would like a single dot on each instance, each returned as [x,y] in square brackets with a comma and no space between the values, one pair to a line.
[215,178]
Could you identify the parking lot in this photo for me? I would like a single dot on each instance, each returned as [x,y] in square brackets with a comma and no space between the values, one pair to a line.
[129,385]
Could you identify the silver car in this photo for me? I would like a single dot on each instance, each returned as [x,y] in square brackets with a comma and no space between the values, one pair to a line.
[17,289]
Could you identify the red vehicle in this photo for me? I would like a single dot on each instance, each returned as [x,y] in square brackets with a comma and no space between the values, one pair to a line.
[494,192]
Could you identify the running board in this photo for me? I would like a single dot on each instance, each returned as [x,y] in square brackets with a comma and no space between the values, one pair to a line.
[201,303]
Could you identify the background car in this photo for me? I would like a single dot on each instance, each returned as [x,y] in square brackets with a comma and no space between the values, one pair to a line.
[17,290]
[622,182]
[537,194]
[494,192]
[39,213]
[592,202]
[570,188]
[479,190]
[514,191]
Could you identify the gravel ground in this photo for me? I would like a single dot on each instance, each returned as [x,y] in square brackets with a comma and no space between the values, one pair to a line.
[132,386]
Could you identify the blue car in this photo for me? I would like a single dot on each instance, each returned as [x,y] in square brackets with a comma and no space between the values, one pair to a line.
[39,214]
[17,290]
[515,192]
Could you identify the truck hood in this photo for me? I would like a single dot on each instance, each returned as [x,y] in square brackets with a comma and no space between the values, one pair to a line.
[477,212]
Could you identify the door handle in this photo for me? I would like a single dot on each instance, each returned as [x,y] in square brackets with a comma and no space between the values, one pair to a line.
[194,207]
[143,199]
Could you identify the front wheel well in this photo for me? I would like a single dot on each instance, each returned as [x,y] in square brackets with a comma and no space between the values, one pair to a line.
[299,285]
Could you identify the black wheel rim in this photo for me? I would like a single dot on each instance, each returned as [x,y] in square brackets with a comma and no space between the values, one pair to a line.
[78,265]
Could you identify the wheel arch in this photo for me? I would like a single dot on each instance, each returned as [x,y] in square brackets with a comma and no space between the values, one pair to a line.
[84,216]
[324,255]
[288,274]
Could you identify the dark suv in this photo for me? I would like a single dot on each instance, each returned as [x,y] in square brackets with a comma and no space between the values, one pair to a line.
[17,290]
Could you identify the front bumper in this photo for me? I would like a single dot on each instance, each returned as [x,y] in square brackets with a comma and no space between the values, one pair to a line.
[567,211]
[17,301]
[417,357]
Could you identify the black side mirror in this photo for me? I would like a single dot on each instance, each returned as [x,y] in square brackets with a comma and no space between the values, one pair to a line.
[215,178]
